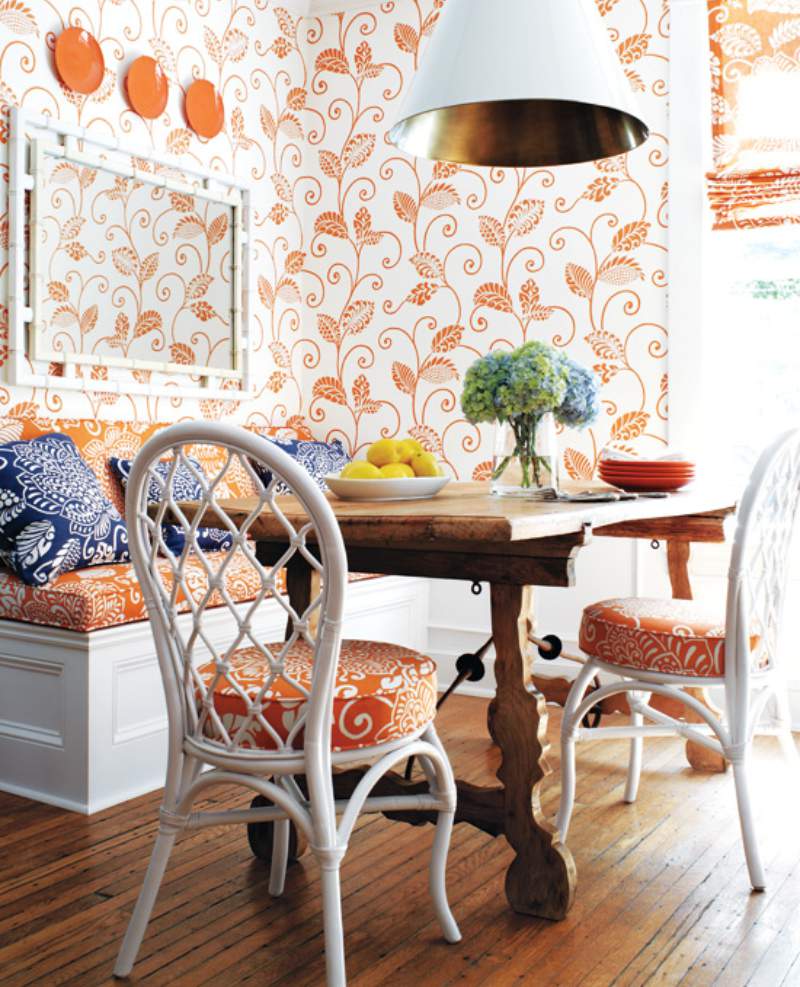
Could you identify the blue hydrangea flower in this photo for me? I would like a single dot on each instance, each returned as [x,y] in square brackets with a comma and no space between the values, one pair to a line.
[581,404]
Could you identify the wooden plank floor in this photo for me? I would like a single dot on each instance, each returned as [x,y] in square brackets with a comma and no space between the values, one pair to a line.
[662,896]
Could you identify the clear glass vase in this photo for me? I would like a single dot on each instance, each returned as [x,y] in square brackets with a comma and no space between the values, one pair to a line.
[526,458]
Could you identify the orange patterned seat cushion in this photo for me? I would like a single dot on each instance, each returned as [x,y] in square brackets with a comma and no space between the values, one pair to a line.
[677,637]
[108,595]
[383,692]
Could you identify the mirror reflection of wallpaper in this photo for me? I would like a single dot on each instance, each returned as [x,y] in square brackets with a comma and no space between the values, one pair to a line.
[131,270]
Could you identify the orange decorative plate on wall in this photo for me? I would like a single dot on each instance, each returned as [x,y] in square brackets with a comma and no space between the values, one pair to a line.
[204,110]
[147,87]
[79,60]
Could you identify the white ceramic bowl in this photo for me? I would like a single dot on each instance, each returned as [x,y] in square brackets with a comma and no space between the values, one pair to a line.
[407,488]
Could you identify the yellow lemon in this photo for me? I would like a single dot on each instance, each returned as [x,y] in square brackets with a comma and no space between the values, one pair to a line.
[408,448]
[383,452]
[359,469]
[396,471]
[425,465]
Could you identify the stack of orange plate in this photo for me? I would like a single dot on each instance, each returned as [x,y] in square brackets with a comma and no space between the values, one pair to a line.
[646,475]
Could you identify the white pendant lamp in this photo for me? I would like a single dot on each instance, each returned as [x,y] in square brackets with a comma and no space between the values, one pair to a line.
[519,83]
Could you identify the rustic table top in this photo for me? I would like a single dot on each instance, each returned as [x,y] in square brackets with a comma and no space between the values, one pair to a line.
[467,512]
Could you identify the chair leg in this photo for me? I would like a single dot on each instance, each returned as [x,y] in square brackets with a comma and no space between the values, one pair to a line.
[144,905]
[437,877]
[280,857]
[635,758]
[751,852]
[568,724]
[332,920]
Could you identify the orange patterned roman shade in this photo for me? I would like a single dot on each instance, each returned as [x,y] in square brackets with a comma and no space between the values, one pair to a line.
[755,73]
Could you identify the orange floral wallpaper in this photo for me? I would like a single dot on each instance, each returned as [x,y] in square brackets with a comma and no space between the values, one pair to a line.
[416,268]
[380,279]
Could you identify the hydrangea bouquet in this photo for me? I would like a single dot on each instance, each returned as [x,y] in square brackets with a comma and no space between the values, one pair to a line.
[524,391]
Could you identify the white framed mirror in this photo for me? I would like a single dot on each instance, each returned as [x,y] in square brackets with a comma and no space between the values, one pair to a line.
[134,268]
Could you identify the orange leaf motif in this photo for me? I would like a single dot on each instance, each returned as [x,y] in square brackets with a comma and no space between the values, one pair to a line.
[447,339]
[579,280]
[427,437]
[218,228]
[331,224]
[89,319]
[494,295]
[620,271]
[357,317]
[265,292]
[440,195]
[181,202]
[525,217]
[439,370]
[406,39]
[629,426]
[492,231]
[147,322]
[329,389]
[630,236]
[332,60]
[362,224]
[633,48]
[148,267]
[330,164]
[601,188]
[422,292]
[428,266]
[357,150]
[405,207]
[606,345]
[296,98]
[203,311]
[577,465]
[198,286]
[295,260]
[483,471]
[404,378]
[58,291]
[280,354]
[183,354]
[328,329]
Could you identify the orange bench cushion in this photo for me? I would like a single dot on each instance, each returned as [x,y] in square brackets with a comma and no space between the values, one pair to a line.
[383,692]
[105,596]
[678,637]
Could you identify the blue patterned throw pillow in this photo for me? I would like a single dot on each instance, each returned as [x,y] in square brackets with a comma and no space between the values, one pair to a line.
[185,486]
[318,458]
[54,516]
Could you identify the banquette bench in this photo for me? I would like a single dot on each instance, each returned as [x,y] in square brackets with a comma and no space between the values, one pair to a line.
[82,716]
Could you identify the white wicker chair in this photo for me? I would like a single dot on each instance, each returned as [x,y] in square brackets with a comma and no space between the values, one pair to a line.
[739,652]
[299,740]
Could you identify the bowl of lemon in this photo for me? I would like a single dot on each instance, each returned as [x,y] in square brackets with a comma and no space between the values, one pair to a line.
[394,469]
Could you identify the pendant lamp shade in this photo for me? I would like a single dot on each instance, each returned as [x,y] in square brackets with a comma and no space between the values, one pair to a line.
[519,83]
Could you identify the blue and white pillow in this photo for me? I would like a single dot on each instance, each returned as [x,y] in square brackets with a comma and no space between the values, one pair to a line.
[185,486]
[54,517]
[317,458]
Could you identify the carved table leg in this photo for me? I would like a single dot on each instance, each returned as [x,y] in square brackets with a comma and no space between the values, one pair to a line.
[541,880]
[302,586]
[700,758]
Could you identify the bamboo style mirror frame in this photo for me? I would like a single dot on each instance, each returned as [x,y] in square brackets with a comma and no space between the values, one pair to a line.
[134,274]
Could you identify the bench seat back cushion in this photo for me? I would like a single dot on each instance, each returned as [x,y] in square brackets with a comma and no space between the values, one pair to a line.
[54,517]
[99,441]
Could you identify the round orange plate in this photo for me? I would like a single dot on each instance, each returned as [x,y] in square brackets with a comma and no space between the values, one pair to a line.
[147,87]
[79,61]
[204,109]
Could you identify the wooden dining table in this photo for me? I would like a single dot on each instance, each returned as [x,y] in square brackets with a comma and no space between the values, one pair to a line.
[514,545]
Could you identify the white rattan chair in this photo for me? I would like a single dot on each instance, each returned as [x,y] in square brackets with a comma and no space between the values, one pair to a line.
[664,647]
[221,704]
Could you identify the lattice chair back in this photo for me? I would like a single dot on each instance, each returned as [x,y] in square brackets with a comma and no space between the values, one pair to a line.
[185,569]
[759,567]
